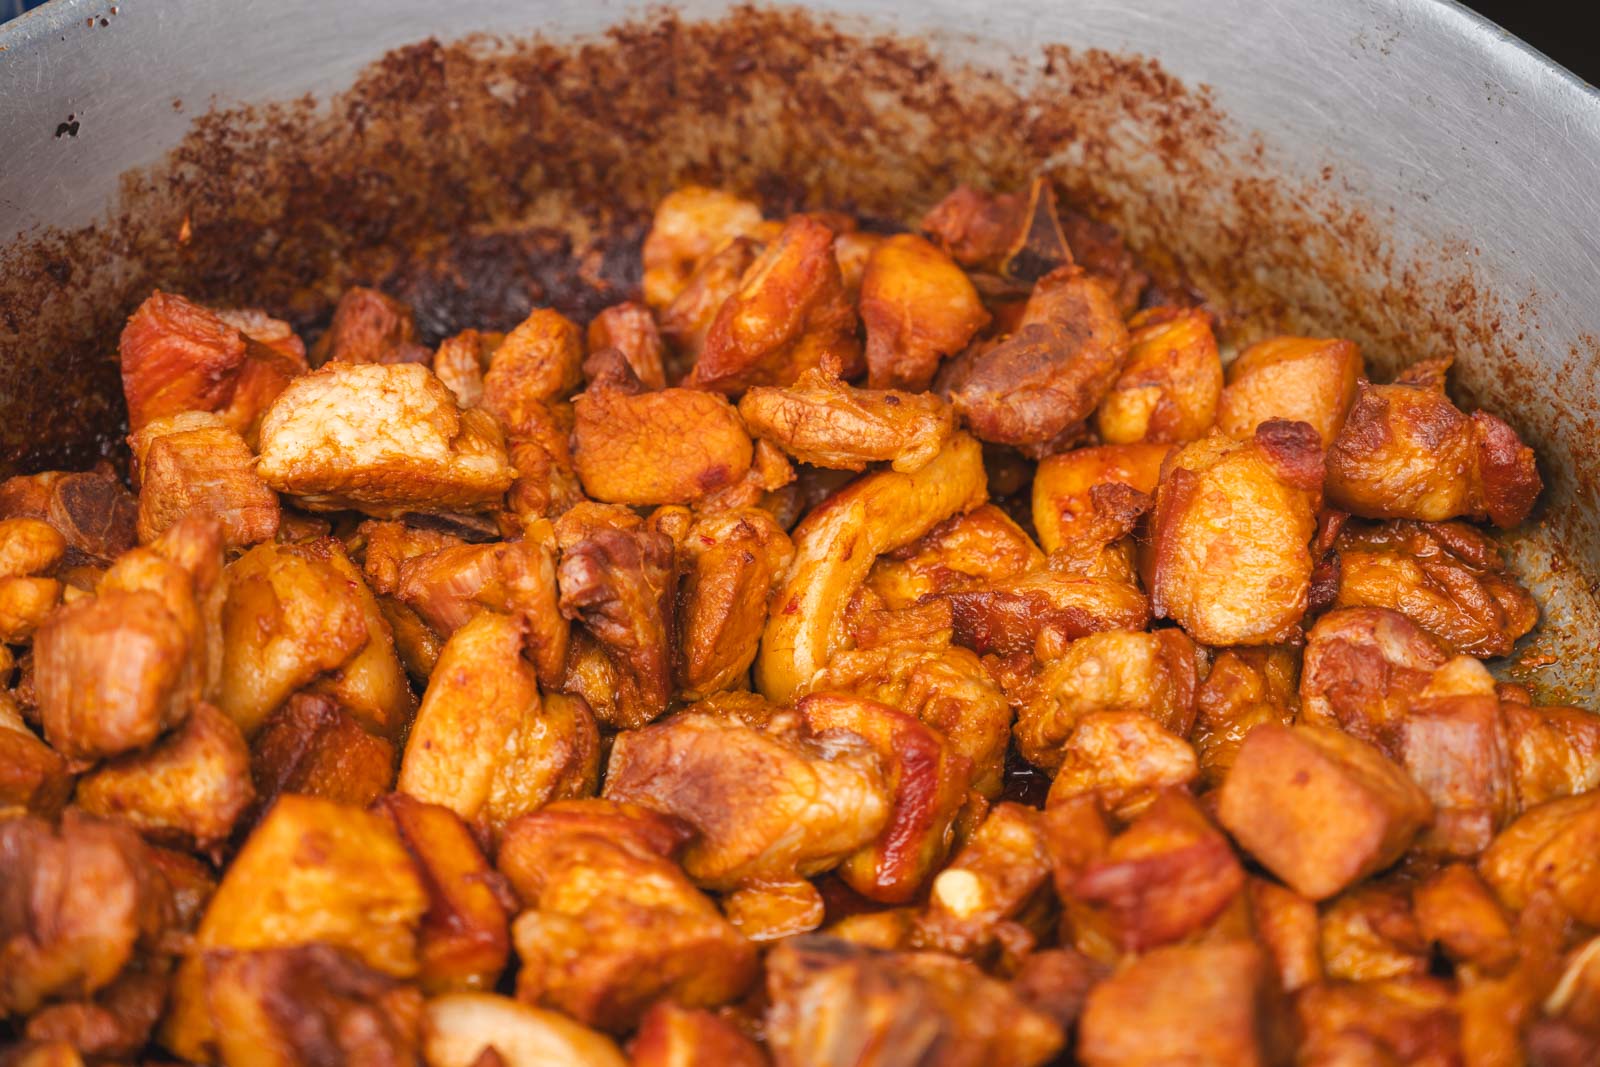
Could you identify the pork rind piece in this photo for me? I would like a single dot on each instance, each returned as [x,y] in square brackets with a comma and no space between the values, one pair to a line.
[927,781]
[461,361]
[918,307]
[313,746]
[194,461]
[1246,687]
[631,329]
[1210,1003]
[79,902]
[1064,501]
[691,223]
[1551,848]
[92,510]
[464,941]
[611,923]
[821,421]
[1049,375]
[673,1036]
[1360,670]
[1447,577]
[836,545]
[177,356]
[833,1002]
[281,1007]
[1300,379]
[1230,556]
[673,446]
[1168,388]
[768,806]
[33,776]
[788,315]
[1319,809]
[190,786]
[1407,452]
[383,439]
[976,902]
[733,562]
[482,1030]
[962,552]
[1123,759]
[1155,674]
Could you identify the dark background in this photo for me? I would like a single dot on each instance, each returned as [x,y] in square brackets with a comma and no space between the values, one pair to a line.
[1562,29]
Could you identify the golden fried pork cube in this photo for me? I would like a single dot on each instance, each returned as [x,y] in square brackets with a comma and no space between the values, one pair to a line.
[192,785]
[1300,379]
[484,1030]
[964,551]
[686,322]
[385,547]
[821,421]
[538,362]
[611,923]
[282,1007]
[1448,578]
[788,315]
[1154,674]
[194,461]
[1064,504]
[1361,668]
[674,1036]
[691,223]
[1549,849]
[975,228]
[1246,687]
[369,327]
[927,784]
[29,546]
[1186,1004]
[111,673]
[1555,752]
[733,561]
[995,878]
[1124,759]
[383,439]
[547,483]
[835,547]
[830,1001]
[115,1022]
[1407,452]
[1286,925]
[92,510]
[1369,933]
[671,446]
[1049,375]
[25,603]
[767,806]
[631,329]
[1230,558]
[177,356]
[1319,809]
[78,902]
[1043,611]
[621,586]
[32,775]
[1169,386]
[461,361]
[918,307]
[464,941]
[1410,1020]
[313,746]
[1457,912]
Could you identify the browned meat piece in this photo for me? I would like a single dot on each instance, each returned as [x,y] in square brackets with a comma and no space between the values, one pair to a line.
[686,322]
[1246,687]
[788,315]
[918,307]
[461,362]
[1057,981]
[1555,752]
[927,784]
[313,746]
[1369,933]
[1286,925]
[178,356]
[193,461]
[672,1036]
[416,645]
[1407,452]
[1230,559]
[672,446]
[621,586]
[690,224]
[1401,1021]
[538,362]
[631,329]
[1550,849]
[962,552]
[985,893]
[311,1004]
[767,806]
[192,785]
[464,941]
[974,228]
[1360,670]
[1123,759]
[1456,911]
[29,546]
[116,1022]
[1047,376]
[547,483]
[733,562]
[1064,500]
[833,1002]
[32,775]
[1318,808]
[484,1030]
[369,327]
[1044,611]
[1168,388]
[92,510]
[75,905]
[1448,578]
[611,923]
[263,329]
[386,547]
[1300,379]
[1101,251]
[1210,1003]
[383,439]
[25,603]
[821,421]
[1155,674]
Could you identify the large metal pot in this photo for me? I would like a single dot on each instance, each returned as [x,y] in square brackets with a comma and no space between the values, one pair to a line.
[1396,171]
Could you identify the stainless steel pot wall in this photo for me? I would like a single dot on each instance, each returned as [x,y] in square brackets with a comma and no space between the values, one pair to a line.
[1397,171]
